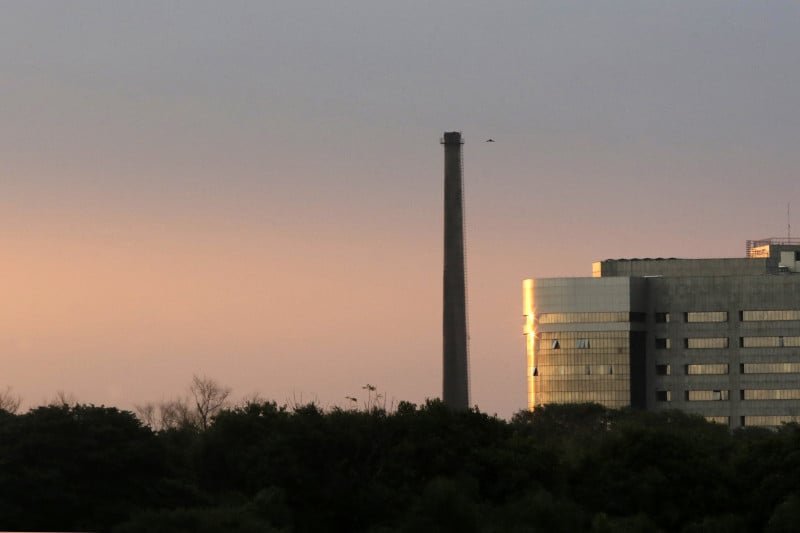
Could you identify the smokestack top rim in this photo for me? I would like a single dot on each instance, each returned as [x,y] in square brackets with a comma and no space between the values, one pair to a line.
[452,137]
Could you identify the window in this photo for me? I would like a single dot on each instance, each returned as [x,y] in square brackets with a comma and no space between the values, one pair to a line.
[769,342]
[759,342]
[699,370]
[663,396]
[577,318]
[769,368]
[706,316]
[570,374]
[662,370]
[574,370]
[706,395]
[781,314]
[769,420]
[718,419]
[662,317]
[662,343]
[698,343]
[770,394]
[582,343]
[637,317]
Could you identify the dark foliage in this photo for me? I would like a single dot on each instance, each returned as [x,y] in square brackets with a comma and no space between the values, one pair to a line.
[263,467]
[79,468]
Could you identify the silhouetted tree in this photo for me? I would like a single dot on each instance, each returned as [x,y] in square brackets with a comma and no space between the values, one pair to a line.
[9,402]
[786,516]
[167,415]
[63,398]
[209,397]
[75,467]
[243,519]
[205,399]
[259,466]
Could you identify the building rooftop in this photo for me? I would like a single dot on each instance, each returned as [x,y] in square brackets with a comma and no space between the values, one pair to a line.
[762,256]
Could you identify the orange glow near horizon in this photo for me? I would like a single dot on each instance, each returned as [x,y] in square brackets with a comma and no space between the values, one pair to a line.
[129,314]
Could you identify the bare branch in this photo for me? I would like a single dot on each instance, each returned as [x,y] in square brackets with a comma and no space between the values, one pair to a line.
[209,397]
[147,413]
[206,398]
[63,398]
[253,398]
[9,401]
[171,414]
[176,414]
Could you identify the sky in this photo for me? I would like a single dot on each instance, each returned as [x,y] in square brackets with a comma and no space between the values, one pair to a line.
[252,191]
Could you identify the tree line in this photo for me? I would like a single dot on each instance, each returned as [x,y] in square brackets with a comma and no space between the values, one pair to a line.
[261,466]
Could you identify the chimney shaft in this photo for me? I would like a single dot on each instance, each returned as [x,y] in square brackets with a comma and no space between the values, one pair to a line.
[455,389]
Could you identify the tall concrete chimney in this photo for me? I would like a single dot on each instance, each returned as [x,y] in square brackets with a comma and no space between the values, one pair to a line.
[455,388]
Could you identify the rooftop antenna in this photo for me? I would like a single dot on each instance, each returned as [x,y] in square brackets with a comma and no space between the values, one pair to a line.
[788,221]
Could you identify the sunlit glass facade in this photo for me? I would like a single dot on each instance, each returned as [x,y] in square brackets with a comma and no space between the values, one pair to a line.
[580,351]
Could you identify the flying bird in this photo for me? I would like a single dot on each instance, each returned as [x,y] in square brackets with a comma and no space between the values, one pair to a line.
[489,140]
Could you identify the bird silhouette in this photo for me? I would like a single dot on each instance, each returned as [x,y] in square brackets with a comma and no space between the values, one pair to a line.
[489,140]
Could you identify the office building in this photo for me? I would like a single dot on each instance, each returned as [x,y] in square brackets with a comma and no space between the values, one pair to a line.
[715,337]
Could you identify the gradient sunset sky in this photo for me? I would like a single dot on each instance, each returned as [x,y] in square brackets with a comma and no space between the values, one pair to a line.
[252,191]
